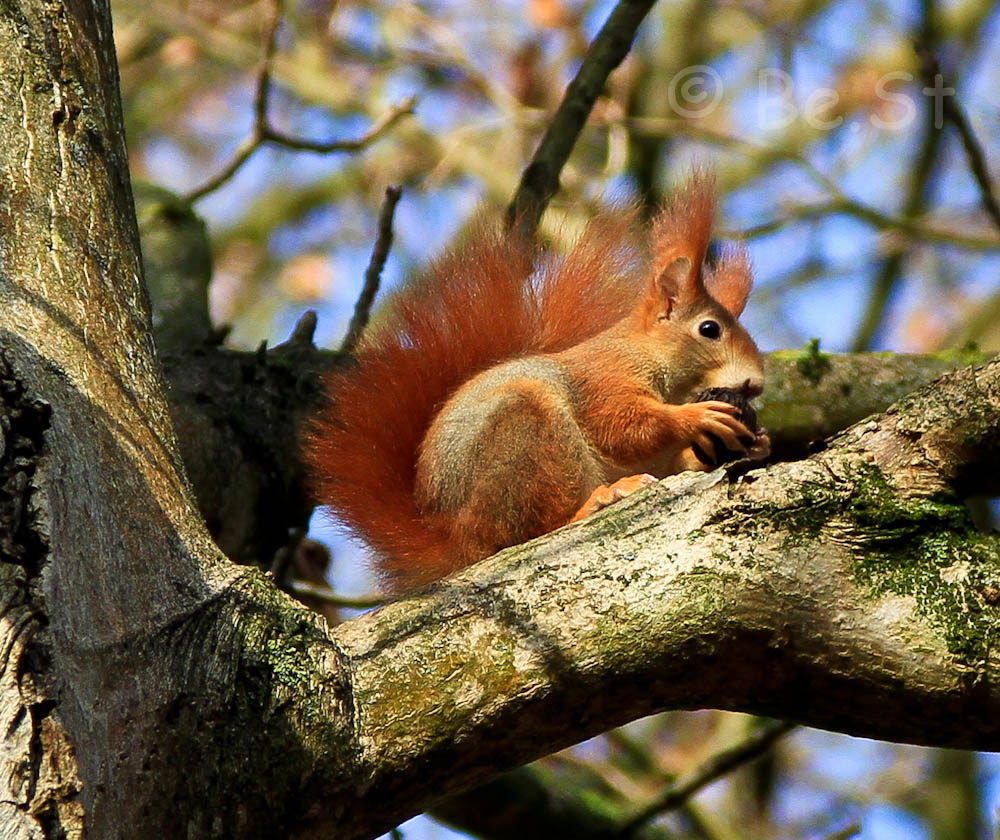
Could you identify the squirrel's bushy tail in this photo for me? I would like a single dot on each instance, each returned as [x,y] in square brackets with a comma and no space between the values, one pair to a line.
[490,300]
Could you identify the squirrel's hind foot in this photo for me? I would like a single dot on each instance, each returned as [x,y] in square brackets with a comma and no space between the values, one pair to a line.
[608,494]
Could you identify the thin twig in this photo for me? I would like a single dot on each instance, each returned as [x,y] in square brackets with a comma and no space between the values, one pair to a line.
[540,179]
[304,330]
[327,595]
[853,829]
[246,148]
[373,274]
[715,767]
[876,218]
[263,91]
[374,132]
[952,111]
[252,141]
[263,132]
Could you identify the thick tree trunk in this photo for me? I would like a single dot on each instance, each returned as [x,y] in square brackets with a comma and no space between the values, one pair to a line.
[150,688]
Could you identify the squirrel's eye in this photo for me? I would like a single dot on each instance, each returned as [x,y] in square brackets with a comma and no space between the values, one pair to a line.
[710,329]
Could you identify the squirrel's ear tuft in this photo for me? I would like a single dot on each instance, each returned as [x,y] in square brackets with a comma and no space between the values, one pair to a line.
[730,281]
[684,226]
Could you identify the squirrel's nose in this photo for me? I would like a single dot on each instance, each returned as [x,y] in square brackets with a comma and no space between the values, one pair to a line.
[753,388]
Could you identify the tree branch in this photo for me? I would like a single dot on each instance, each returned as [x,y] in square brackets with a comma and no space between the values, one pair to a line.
[373,274]
[918,231]
[263,132]
[540,179]
[240,444]
[327,595]
[714,768]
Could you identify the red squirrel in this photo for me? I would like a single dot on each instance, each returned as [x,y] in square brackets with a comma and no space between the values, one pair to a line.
[503,395]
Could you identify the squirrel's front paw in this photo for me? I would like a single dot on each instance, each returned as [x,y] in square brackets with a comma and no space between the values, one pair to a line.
[714,432]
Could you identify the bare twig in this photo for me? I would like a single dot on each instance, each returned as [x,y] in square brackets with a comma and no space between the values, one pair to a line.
[304,330]
[374,132]
[327,595]
[714,768]
[373,274]
[266,66]
[876,218]
[263,132]
[952,111]
[244,150]
[540,179]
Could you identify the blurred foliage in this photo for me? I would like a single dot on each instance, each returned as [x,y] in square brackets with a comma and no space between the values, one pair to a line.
[854,192]
[818,166]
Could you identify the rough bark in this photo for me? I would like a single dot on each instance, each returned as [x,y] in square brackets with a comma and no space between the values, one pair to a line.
[152,688]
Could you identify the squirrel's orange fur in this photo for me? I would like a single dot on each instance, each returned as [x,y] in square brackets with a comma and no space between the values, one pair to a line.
[501,393]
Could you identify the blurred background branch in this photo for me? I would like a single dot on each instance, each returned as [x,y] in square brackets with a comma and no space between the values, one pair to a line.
[263,132]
